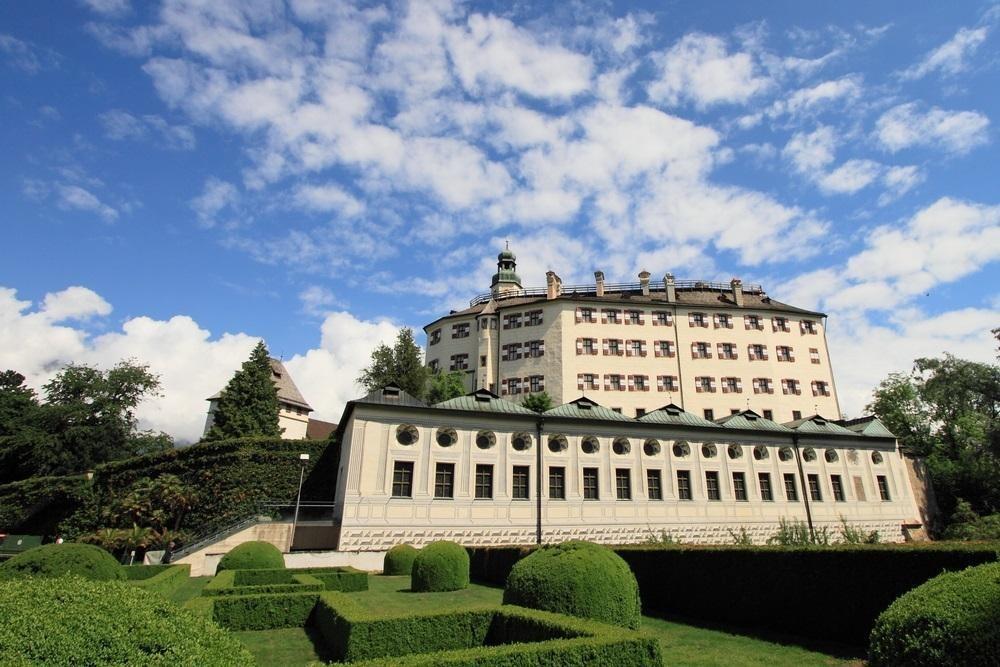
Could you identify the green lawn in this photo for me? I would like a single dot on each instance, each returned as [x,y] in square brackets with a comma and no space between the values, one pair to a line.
[681,644]
[189,589]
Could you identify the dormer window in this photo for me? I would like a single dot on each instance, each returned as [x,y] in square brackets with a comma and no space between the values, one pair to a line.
[390,392]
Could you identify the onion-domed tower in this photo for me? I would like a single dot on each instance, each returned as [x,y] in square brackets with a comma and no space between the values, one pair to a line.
[506,278]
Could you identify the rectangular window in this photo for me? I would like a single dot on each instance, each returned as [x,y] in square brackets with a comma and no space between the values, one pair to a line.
[435,337]
[623,484]
[815,493]
[779,324]
[790,386]
[586,315]
[883,487]
[586,381]
[796,415]
[752,322]
[638,382]
[588,346]
[666,383]
[590,491]
[838,488]
[635,348]
[460,330]
[634,316]
[661,319]
[723,321]
[697,320]
[537,383]
[769,415]
[557,483]
[704,383]
[536,348]
[484,480]
[611,316]
[654,485]
[614,347]
[712,485]
[534,318]
[814,355]
[433,364]
[739,486]
[791,491]
[763,386]
[482,360]
[615,382]
[709,414]
[663,348]
[808,326]
[784,353]
[444,480]
[684,485]
[402,479]
[639,412]
[512,321]
[820,388]
[520,482]
[764,481]
[459,362]
[731,385]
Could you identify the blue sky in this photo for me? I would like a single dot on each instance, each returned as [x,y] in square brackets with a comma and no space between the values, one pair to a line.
[179,178]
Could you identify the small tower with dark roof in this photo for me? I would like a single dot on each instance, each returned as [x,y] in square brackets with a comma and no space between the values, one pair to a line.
[506,278]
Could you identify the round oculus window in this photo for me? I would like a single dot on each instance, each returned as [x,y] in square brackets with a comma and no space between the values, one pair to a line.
[760,452]
[831,456]
[485,439]
[785,454]
[876,457]
[681,449]
[590,445]
[809,454]
[709,450]
[651,447]
[735,451]
[557,443]
[521,442]
[446,437]
[407,434]
[621,446]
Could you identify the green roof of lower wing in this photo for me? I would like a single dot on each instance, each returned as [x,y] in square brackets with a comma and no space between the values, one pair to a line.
[873,429]
[679,419]
[475,404]
[758,424]
[809,426]
[596,412]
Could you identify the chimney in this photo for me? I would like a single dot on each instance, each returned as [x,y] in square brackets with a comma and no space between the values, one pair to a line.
[553,285]
[737,285]
[668,288]
[599,279]
[644,282]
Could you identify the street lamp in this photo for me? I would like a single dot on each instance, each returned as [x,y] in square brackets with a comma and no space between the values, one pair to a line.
[303,461]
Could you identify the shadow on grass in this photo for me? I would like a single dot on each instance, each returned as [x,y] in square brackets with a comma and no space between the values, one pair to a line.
[835,649]
[323,652]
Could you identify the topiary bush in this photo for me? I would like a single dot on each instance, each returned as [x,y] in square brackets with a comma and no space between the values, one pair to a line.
[73,621]
[399,559]
[440,566]
[951,619]
[58,560]
[579,579]
[252,556]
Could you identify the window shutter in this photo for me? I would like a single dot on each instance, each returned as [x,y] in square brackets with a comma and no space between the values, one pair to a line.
[756,386]
[814,388]
[739,385]
[631,383]
[621,347]
[725,386]
[774,324]
[711,385]
[579,381]
[593,348]
[579,346]
[642,317]
[642,348]
[690,319]
[659,383]
[541,348]
[503,388]
[791,355]
[699,386]
[746,322]
[764,355]
[657,349]
[604,347]
[628,348]
[604,317]
[541,383]
[607,383]
[694,350]
[579,318]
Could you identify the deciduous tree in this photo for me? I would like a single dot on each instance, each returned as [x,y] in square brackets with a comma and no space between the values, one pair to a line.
[402,365]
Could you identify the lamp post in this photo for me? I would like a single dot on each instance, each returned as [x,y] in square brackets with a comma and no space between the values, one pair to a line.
[303,461]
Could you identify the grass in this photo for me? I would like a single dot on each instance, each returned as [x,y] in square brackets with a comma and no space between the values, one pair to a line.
[391,596]
[189,589]
[285,646]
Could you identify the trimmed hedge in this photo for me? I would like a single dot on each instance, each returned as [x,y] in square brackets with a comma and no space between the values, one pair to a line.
[479,636]
[826,593]
[346,579]
[74,621]
[58,560]
[164,579]
[951,619]
[399,560]
[252,556]
[226,583]
[579,579]
[258,612]
[440,566]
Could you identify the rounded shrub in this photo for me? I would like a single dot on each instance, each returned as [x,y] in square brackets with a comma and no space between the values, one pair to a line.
[252,556]
[399,559]
[74,621]
[951,619]
[59,560]
[579,579]
[440,566]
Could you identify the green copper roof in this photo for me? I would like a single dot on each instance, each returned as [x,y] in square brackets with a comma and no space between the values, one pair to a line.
[818,424]
[869,426]
[484,401]
[584,408]
[751,421]
[673,414]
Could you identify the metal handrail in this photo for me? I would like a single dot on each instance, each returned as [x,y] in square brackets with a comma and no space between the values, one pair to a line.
[701,285]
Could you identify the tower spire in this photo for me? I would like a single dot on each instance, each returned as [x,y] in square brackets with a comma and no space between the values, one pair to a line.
[506,278]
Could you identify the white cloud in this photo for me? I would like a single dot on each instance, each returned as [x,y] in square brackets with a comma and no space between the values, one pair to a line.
[120,125]
[108,7]
[811,151]
[216,196]
[850,177]
[951,57]
[900,180]
[326,198]
[842,91]
[492,51]
[699,68]
[191,362]
[905,126]
[25,56]
[317,300]
[74,197]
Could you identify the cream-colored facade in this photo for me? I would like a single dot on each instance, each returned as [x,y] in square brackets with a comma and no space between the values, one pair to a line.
[713,349]
[467,470]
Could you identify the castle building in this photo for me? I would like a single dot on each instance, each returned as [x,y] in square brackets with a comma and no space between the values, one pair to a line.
[714,349]
[293,410]
[482,470]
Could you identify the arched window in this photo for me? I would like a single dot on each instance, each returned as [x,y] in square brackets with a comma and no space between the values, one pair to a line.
[651,447]
[621,446]
[407,434]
